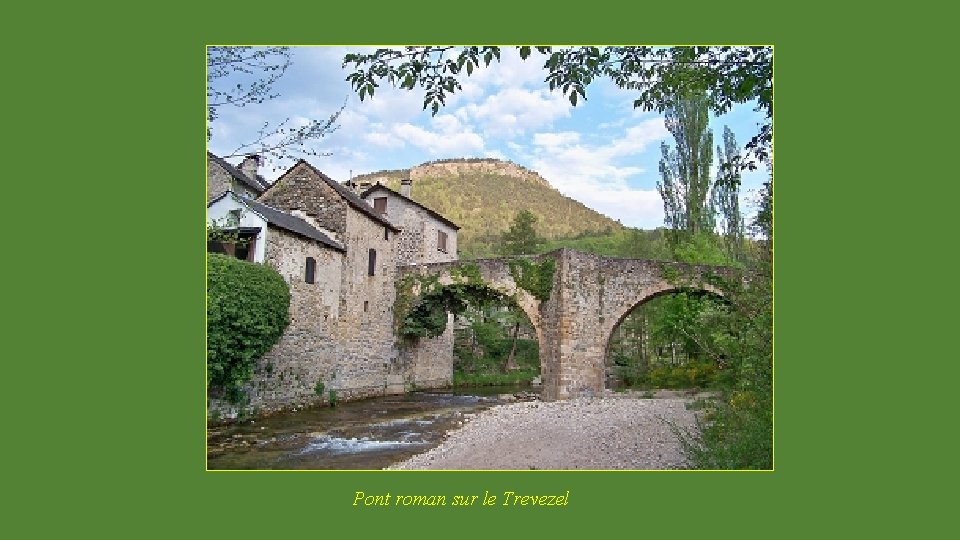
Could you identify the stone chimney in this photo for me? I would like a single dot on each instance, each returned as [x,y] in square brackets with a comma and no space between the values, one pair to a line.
[405,185]
[249,166]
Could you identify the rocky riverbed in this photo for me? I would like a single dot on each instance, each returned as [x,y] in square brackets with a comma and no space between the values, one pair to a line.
[616,431]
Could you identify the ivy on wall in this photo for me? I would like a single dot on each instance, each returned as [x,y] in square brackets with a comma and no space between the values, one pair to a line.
[535,278]
[425,315]
[422,302]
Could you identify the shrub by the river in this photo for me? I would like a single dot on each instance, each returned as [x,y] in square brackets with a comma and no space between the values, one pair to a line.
[247,310]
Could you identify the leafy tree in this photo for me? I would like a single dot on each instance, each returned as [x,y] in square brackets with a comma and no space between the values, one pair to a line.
[685,171]
[726,75]
[521,238]
[244,76]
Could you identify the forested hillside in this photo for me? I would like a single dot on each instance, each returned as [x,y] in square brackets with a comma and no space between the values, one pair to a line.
[484,195]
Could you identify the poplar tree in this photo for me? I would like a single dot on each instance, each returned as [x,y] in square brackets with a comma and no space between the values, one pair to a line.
[685,170]
[726,193]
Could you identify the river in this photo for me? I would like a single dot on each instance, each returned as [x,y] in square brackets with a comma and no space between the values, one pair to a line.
[367,434]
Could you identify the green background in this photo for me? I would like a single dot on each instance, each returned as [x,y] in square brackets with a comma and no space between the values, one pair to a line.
[104,288]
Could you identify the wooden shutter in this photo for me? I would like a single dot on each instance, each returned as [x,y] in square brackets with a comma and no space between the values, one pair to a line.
[311,269]
[380,205]
[442,241]
[372,262]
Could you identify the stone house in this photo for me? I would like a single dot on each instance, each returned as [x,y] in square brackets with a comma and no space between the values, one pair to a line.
[339,256]
[426,236]
[243,181]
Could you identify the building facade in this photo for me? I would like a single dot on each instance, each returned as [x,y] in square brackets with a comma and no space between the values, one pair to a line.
[340,257]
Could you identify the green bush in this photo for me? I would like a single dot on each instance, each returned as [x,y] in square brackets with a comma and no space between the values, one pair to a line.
[690,375]
[247,310]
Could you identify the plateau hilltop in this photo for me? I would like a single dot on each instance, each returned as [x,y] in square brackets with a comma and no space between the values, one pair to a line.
[483,196]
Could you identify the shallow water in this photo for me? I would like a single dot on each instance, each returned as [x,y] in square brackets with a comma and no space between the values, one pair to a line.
[367,434]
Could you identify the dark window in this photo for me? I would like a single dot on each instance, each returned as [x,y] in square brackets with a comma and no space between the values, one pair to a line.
[372,262]
[215,246]
[237,243]
[442,241]
[311,268]
[380,205]
[386,233]
[366,305]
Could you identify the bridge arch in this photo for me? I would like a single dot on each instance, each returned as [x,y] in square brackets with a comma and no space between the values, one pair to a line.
[589,296]
[494,274]
[644,297]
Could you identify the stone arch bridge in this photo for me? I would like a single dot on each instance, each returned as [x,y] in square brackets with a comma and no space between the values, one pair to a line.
[591,294]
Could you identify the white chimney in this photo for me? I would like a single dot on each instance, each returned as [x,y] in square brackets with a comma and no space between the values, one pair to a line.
[405,185]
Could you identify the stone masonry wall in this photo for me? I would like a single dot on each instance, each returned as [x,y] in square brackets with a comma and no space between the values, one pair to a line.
[596,294]
[418,237]
[417,241]
[301,189]
[218,180]
[307,351]
[430,361]
[365,327]
[341,327]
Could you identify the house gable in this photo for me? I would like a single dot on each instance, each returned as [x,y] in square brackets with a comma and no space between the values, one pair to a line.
[222,177]
[381,190]
[305,188]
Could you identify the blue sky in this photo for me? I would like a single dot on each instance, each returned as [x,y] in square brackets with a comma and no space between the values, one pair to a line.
[603,153]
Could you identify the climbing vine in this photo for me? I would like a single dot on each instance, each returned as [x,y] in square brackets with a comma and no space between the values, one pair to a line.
[535,278]
[426,315]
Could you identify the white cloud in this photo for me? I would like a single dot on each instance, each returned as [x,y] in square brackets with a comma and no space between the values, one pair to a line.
[552,140]
[514,111]
[440,143]
[637,138]
[384,139]
[602,173]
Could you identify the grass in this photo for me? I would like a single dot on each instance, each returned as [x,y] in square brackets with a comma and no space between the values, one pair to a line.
[519,376]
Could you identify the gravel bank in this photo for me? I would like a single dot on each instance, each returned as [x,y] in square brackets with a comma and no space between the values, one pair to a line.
[611,432]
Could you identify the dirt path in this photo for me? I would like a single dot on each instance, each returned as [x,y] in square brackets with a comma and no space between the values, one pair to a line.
[613,432]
